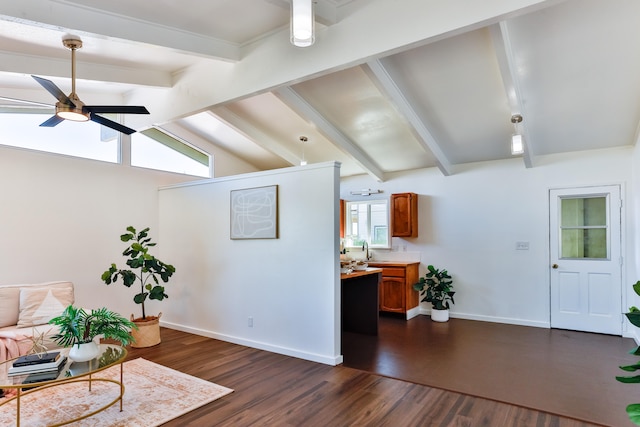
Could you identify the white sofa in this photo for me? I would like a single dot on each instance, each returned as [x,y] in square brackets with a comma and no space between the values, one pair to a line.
[25,310]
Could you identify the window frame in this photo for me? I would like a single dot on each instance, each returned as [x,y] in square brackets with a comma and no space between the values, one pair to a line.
[371,229]
[176,145]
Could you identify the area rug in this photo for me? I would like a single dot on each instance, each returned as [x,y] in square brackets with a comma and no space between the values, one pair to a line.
[154,394]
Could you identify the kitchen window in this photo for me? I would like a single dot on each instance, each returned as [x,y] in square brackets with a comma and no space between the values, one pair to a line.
[367,221]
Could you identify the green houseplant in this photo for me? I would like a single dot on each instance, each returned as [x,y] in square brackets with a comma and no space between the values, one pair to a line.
[436,287]
[78,328]
[147,272]
[634,317]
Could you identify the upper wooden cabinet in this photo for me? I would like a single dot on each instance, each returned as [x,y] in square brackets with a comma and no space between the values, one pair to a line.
[404,215]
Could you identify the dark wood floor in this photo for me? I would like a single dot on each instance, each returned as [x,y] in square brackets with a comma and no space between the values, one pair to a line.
[563,372]
[276,390]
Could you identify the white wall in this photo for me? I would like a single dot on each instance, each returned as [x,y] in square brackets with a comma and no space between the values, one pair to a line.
[288,285]
[61,218]
[633,231]
[469,223]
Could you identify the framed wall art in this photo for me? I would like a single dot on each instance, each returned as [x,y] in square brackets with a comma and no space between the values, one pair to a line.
[254,213]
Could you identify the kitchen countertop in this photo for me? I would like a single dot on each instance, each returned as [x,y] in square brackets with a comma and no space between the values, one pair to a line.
[358,273]
[392,263]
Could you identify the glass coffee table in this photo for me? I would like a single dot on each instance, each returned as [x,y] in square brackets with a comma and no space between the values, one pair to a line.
[71,372]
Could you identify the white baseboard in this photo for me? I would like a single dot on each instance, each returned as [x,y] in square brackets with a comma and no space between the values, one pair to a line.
[337,360]
[327,360]
[413,312]
[494,319]
[632,333]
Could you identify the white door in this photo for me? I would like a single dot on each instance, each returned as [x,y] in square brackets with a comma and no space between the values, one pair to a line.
[586,260]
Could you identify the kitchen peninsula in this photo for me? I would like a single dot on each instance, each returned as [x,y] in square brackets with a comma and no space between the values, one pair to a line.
[360,290]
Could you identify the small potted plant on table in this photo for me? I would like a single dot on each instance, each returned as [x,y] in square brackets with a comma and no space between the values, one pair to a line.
[143,268]
[78,328]
[436,287]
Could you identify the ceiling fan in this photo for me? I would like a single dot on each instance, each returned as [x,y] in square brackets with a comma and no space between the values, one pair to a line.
[71,108]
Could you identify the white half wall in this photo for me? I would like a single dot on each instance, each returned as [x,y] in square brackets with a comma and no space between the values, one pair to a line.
[288,286]
[469,223]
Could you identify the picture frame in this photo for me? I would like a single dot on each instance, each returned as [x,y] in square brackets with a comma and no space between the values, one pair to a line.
[254,213]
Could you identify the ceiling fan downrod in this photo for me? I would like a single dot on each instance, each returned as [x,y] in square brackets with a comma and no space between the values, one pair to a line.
[73,44]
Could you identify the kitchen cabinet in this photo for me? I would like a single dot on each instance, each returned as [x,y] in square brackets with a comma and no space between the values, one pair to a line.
[396,287]
[404,215]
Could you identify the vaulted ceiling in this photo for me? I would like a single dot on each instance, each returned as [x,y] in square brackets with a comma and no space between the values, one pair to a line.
[387,86]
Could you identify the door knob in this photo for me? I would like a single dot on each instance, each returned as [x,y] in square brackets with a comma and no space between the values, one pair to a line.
[554,266]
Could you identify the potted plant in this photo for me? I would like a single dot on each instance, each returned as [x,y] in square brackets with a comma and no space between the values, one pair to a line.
[437,288]
[146,271]
[633,410]
[78,328]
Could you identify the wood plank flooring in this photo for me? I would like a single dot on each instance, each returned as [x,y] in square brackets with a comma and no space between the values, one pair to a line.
[562,372]
[275,390]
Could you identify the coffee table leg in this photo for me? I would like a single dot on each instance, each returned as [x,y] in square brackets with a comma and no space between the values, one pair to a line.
[18,407]
[121,387]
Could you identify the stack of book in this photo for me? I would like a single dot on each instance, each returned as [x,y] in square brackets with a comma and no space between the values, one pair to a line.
[43,365]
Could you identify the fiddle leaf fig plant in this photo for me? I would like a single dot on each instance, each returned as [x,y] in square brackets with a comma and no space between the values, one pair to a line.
[144,269]
[437,288]
[633,410]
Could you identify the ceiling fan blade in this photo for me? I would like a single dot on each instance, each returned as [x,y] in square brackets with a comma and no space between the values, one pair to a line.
[113,125]
[22,101]
[122,109]
[51,121]
[54,90]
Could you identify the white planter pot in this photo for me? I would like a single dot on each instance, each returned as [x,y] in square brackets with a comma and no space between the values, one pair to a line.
[439,315]
[84,352]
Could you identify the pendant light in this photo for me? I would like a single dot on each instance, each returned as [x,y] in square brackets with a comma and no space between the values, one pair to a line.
[303,161]
[517,140]
[302,23]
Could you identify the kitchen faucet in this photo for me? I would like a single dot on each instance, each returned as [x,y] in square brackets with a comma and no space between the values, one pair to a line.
[366,245]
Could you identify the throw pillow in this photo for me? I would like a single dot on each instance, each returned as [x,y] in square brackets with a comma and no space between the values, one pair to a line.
[10,306]
[39,305]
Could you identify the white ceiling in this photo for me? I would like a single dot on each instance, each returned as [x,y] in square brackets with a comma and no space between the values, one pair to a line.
[388,85]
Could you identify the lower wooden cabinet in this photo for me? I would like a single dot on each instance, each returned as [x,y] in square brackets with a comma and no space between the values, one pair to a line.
[396,288]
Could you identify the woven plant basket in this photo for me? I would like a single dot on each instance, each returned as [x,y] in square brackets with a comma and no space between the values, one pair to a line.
[148,332]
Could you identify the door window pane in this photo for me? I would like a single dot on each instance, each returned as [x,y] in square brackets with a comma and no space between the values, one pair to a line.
[584,228]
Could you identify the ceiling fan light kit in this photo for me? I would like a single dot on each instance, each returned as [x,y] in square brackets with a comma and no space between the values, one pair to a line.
[71,108]
[302,23]
[72,112]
